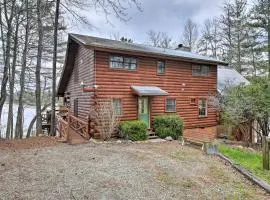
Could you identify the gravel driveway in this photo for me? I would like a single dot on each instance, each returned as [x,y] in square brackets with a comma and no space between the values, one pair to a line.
[120,171]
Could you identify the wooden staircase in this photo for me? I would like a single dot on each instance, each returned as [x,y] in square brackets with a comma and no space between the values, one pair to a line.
[73,130]
[76,138]
[152,134]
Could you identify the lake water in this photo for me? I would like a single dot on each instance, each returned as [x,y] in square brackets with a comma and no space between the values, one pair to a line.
[29,113]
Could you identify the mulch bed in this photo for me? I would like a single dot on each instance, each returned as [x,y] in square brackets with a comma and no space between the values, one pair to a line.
[29,143]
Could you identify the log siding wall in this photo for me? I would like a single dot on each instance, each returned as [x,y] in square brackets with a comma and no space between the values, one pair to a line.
[83,70]
[177,81]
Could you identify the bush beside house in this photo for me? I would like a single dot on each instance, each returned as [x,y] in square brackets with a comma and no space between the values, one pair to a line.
[133,130]
[168,125]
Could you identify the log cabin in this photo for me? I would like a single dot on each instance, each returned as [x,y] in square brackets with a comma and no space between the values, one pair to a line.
[142,82]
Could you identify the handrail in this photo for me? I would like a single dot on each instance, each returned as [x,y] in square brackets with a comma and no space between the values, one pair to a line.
[78,119]
[77,124]
[62,127]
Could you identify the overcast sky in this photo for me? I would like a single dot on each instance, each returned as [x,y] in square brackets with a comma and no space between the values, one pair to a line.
[160,15]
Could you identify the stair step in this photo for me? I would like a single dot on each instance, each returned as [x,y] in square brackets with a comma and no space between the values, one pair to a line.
[152,137]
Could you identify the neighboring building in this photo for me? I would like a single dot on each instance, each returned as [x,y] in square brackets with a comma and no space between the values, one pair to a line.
[142,81]
[229,77]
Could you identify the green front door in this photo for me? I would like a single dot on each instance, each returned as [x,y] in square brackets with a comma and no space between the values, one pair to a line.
[143,110]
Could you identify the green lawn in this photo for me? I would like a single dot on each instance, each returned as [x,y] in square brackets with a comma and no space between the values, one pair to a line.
[252,161]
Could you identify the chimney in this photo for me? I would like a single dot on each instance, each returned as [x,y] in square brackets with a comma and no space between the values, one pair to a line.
[183,48]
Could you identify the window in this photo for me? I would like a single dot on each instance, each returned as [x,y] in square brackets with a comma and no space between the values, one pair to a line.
[117,106]
[202,104]
[121,62]
[200,70]
[76,74]
[161,67]
[193,101]
[75,107]
[170,105]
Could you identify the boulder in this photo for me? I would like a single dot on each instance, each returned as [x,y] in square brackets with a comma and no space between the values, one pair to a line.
[169,138]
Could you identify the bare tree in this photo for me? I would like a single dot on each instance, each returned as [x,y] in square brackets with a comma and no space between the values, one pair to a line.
[190,34]
[38,67]
[7,9]
[209,42]
[18,21]
[19,121]
[159,39]
[52,130]
[105,117]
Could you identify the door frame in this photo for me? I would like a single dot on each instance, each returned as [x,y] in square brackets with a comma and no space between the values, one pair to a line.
[149,109]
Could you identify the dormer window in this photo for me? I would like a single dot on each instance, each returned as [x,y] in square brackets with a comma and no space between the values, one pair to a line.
[123,62]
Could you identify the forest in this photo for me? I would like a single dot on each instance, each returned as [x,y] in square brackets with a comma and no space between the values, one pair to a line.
[33,36]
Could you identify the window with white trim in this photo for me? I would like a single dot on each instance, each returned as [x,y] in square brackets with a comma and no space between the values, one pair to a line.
[123,62]
[200,70]
[117,106]
[202,105]
[160,67]
[170,105]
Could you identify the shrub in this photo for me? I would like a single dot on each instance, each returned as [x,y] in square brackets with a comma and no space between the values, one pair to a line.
[168,125]
[133,130]
[103,114]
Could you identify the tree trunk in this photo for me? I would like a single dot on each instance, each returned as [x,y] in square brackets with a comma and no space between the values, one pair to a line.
[265,151]
[19,121]
[30,127]
[6,50]
[38,69]
[268,32]
[52,132]
[9,130]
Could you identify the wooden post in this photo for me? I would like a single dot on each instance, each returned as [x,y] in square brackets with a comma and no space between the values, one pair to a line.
[88,126]
[68,129]
[265,152]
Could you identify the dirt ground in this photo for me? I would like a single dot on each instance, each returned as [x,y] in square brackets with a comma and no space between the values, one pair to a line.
[33,142]
[120,171]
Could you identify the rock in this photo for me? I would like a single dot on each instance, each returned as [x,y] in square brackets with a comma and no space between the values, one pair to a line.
[118,141]
[168,138]
[3,164]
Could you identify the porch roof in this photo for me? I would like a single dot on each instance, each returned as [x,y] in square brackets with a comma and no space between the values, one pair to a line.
[148,91]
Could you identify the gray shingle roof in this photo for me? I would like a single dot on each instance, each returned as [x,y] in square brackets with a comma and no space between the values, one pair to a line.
[228,77]
[141,48]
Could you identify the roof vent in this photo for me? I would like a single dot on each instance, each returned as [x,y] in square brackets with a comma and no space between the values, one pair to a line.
[183,48]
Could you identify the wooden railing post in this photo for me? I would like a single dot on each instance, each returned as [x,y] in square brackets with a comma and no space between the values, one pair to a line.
[68,126]
[88,126]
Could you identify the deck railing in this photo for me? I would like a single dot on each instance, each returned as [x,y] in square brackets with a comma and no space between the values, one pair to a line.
[80,126]
[62,127]
[66,124]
